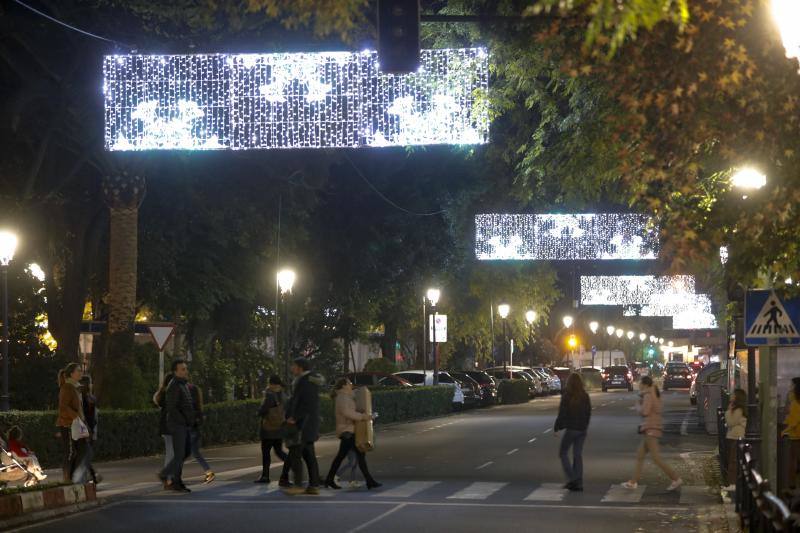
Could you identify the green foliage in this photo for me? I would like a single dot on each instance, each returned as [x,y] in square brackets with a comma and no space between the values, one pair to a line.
[513,391]
[129,382]
[408,403]
[380,364]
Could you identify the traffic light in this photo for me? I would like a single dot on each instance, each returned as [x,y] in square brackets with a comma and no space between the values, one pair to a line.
[398,35]
[651,352]
[572,342]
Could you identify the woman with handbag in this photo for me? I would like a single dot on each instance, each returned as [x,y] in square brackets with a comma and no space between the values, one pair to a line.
[272,420]
[72,425]
[651,430]
[346,416]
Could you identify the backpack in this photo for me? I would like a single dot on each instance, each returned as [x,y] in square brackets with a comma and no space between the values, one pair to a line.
[275,416]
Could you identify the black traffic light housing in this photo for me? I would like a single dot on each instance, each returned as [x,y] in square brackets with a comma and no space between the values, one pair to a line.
[398,35]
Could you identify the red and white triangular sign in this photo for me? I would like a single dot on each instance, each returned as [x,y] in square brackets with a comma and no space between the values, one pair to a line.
[161,334]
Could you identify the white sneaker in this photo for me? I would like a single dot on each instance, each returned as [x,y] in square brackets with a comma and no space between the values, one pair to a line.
[630,485]
[355,484]
[675,484]
[729,488]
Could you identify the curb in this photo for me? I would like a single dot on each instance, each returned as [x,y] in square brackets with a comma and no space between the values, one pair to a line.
[24,507]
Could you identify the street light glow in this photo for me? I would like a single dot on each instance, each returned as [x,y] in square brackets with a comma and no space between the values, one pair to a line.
[572,341]
[286,278]
[620,333]
[530,316]
[786,14]
[748,178]
[433,296]
[567,321]
[8,245]
[610,330]
[670,343]
[36,271]
[503,310]
[642,336]
[630,335]
[593,326]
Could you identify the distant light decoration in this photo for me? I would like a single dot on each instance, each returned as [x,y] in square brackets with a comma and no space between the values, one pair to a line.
[548,237]
[723,254]
[688,311]
[297,100]
[786,14]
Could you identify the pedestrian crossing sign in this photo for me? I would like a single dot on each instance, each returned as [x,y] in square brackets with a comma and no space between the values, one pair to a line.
[769,320]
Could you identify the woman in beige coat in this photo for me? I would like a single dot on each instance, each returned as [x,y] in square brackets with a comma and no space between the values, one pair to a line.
[346,417]
[651,430]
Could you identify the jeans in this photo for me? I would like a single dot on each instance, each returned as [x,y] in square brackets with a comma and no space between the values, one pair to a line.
[298,454]
[574,439]
[180,451]
[347,443]
[83,461]
[273,444]
[650,445]
[349,466]
[194,438]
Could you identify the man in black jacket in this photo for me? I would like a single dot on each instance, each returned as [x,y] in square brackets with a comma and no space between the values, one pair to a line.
[180,419]
[303,413]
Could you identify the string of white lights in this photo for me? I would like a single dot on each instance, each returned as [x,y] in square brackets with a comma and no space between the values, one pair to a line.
[299,100]
[565,237]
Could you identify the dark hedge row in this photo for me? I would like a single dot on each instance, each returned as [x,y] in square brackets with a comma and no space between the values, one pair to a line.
[134,433]
[513,391]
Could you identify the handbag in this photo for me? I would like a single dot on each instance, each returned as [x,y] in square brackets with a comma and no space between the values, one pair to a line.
[79,430]
[291,435]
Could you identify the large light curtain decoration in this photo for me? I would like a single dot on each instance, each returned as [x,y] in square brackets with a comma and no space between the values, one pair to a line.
[293,100]
[560,237]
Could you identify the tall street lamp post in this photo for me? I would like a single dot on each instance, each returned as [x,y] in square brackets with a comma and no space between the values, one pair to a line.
[286,279]
[8,245]
[530,316]
[503,310]
[610,330]
[433,298]
[567,321]
[594,326]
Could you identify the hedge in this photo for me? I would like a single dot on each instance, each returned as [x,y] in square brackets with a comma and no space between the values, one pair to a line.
[513,391]
[134,433]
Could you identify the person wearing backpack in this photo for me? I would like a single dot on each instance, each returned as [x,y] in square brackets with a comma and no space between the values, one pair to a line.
[272,418]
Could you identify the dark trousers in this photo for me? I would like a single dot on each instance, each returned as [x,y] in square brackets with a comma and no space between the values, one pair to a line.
[273,444]
[794,459]
[572,439]
[299,454]
[68,461]
[82,463]
[194,440]
[347,443]
[181,449]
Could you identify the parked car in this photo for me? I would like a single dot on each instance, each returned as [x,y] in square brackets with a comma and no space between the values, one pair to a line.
[376,379]
[553,380]
[616,377]
[534,383]
[488,386]
[470,387]
[425,377]
[547,383]
[678,375]
[698,378]
[639,370]
[563,373]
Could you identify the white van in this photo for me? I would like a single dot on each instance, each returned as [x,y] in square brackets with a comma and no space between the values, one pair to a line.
[425,378]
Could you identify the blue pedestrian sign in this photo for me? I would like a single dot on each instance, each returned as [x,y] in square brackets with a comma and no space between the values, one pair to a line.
[768,320]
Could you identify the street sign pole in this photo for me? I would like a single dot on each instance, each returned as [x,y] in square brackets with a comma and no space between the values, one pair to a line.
[768,366]
[160,367]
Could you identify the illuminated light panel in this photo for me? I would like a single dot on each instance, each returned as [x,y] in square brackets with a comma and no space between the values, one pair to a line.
[565,237]
[688,311]
[300,100]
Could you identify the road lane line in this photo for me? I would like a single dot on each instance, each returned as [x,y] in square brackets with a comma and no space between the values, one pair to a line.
[685,423]
[548,430]
[480,490]
[378,518]
[532,440]
[548,492]
[253,491]
[484,465]
[512,452]
[406,490]
[618,493]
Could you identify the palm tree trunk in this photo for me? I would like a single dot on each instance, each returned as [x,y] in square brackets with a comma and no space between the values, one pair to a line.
[122,271]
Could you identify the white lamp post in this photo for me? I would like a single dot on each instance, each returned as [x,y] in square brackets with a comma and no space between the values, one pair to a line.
[503,310]
[8,245]
[530,316]
[285,280]
[433,297]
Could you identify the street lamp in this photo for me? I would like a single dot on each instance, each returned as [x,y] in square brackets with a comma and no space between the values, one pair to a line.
[748,178]
[610,330]
[503,310]
[786,13]
[661,340]
[619,333]
[285,281]
[630,335]
[530,316]
[670,344]
[567,321]
[593,326]
[8,245]
[642,336]
[433,297]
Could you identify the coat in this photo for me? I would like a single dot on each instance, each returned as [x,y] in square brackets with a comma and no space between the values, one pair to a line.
[304,405]
[792,421]
[178,405]
[574,415]
[736,422]
[271,399]
[650,409]
[69,405]
[346,414]
[197,403]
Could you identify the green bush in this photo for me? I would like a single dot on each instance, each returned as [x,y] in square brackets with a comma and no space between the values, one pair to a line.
[380,364]
[134,433]
[513,391]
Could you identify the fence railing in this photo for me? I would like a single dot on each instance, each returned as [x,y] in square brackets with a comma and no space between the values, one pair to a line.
[760,510]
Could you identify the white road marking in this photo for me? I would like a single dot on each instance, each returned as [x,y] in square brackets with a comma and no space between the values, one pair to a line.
[377,518]
[619,494]
[480,490]
[103,493]
[515,450]
[406,490]
[532,440]
[685,423]
[484,465]
[211,486]
[548,430]
[548,492]
[254,490]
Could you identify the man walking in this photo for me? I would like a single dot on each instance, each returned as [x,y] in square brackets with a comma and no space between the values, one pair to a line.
[303,413]
[180,419]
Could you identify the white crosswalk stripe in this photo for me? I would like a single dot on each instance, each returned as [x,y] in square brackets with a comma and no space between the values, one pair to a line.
[254,490]
[479,490]
[548,492]
[619,494]
[406,490]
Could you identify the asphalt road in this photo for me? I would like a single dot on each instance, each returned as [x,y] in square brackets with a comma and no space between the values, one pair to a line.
[483,470]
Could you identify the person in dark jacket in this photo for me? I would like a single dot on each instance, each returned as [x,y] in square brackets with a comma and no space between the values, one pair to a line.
[158,399]
[303,414]
[574,413]
[194,432]
[272,413]
[90,412]
[180,419]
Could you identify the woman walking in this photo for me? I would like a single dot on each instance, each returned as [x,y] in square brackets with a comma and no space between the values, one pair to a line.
[346,417]
[736,421]
[651,430]
[574,413]
[273,416]
[792,431]
[72,425]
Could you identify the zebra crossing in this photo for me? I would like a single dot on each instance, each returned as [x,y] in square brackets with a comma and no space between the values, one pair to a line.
[479,491]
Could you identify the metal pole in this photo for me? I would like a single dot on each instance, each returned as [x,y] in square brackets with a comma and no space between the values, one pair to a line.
[4,400]
[752,399]
[435,354]
[278,292]
[160,367]
[491,322]
[768,362]
[424,335]
[505,346]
